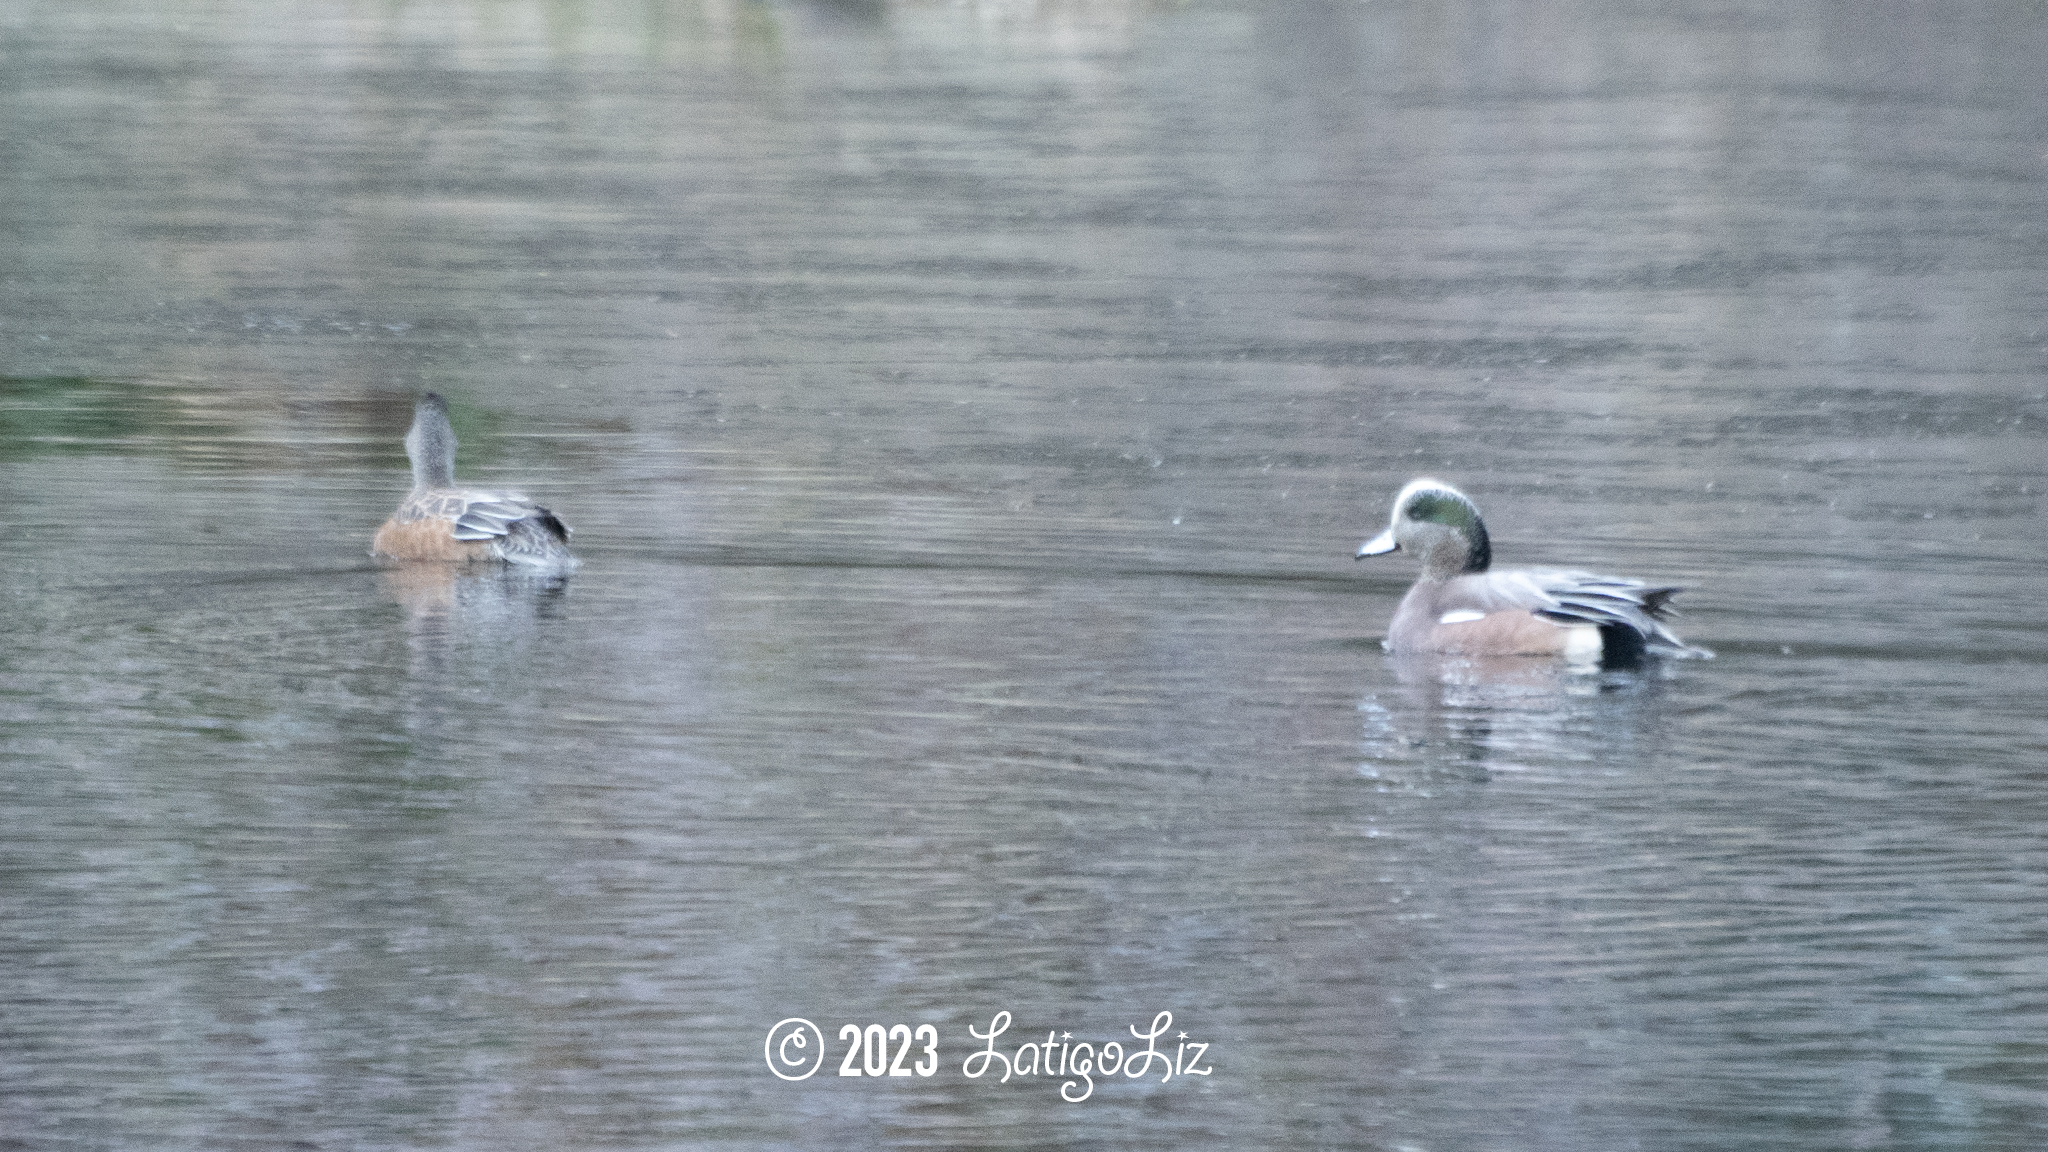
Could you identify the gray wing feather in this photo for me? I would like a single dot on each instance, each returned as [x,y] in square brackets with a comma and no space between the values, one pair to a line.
[1578,598]
[486,519]
[519,530]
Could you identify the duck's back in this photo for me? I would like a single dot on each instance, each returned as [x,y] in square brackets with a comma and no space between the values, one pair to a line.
[1532,610]
[461,525]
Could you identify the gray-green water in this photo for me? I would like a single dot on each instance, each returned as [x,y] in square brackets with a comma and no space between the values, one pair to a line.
[967,413]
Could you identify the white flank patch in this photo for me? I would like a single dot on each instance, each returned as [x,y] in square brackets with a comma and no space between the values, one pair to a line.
[1582,644]
[1461,616]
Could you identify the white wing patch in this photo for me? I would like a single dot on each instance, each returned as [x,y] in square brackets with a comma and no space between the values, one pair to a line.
[1461,616]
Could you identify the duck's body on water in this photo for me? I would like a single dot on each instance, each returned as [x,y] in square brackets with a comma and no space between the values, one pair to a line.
[441,521]
[1461,604]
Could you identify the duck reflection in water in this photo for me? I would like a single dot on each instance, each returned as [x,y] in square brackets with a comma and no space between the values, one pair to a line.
[1474,715]
[466,561]
[444,603]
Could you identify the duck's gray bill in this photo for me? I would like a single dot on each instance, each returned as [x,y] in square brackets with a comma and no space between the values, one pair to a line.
[1379,545]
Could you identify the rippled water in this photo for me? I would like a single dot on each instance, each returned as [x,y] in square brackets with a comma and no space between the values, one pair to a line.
[968,413]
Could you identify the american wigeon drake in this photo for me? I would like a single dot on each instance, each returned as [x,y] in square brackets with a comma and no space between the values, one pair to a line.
[1462,605]
[439,521]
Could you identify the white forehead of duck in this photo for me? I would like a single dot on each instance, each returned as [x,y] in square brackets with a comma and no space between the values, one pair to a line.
[1426,485]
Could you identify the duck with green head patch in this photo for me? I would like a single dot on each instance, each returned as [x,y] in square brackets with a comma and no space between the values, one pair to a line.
[1462,605]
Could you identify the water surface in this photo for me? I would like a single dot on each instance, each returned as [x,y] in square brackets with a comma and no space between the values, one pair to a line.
[967,413]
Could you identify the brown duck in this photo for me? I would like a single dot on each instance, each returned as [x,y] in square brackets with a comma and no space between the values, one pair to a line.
[440,521]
